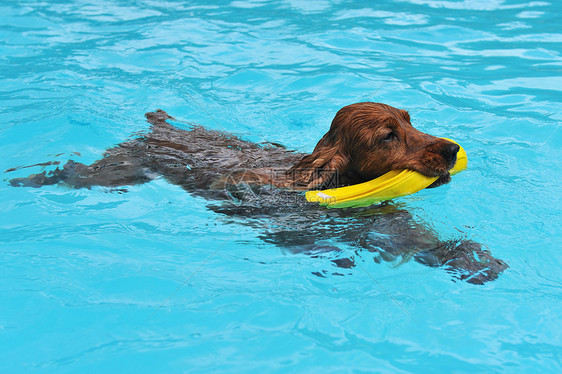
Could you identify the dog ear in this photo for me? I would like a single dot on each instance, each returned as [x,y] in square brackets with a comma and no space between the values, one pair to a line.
[321,168]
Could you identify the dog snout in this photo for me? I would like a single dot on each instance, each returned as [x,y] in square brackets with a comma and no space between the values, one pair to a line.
[449,153]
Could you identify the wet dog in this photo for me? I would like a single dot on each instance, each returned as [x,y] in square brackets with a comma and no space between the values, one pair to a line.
[263,182]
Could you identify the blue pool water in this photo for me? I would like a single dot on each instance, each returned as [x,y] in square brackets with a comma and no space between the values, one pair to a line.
[151,280]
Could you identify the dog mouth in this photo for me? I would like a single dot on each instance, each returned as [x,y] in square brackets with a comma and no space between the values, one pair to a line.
[443,179]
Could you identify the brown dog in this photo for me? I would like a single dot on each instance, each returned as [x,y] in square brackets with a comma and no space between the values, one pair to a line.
[261,181]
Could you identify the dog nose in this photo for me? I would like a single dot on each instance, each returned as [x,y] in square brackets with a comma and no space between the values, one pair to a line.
[449,152]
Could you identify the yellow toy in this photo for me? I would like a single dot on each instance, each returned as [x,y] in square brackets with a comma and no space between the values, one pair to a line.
[393,184]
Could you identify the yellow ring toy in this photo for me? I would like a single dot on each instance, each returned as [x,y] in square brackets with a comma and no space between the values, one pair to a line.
[393,184]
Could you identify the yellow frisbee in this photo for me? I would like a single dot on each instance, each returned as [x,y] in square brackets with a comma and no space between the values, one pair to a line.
[393,184]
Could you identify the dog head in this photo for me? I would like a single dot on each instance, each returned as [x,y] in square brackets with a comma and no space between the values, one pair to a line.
[367,140]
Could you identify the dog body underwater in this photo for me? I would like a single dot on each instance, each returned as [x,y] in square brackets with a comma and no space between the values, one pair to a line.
[263,183]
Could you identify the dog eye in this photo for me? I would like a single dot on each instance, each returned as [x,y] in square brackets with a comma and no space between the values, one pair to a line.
[390,136]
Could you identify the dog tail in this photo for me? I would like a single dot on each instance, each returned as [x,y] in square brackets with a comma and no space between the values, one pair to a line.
[158,118]
[58,175]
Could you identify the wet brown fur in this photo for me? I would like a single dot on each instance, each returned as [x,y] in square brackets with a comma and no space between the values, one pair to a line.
[365,140]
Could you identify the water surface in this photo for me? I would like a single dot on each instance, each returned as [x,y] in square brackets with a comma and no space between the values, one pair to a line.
[151,280]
